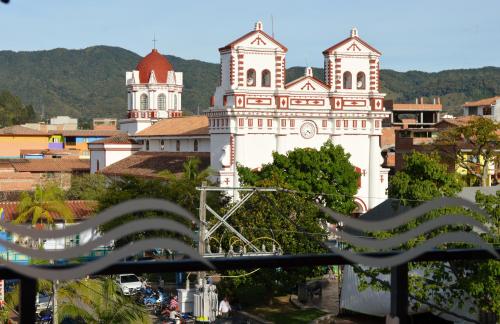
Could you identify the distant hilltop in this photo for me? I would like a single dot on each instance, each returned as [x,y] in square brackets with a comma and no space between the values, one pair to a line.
[90,82]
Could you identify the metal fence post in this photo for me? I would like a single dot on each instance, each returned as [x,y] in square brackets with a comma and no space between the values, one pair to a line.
[27,301]
[399,293]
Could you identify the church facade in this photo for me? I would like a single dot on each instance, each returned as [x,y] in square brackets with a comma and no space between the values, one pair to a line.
[255,112]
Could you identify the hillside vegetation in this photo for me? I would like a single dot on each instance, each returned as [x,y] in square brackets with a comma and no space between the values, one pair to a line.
[90,82]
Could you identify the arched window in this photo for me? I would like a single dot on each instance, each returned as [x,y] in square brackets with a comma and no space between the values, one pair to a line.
[175,101]
[177,145]
[195,145]
[266,78]
[144,102]
[162,145]
[347,80]
[251,78]
[147,145]
[162,102]
[360,81]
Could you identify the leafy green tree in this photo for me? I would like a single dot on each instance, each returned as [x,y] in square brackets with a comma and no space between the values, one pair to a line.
[326,174]
[13,111]
[87,187]
[423,177]
[284,222]
[473,146]
[443,284]
[180,190]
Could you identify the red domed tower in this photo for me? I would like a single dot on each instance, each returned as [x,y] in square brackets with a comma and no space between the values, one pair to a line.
[154,92]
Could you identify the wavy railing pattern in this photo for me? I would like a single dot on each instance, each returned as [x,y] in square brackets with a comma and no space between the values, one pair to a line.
[110,214]
[181,230]
[398,240]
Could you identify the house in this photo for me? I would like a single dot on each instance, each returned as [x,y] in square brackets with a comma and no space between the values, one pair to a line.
[414,115]
[13,139]
[80,209]
[78,139]
[488,107]
[26,174]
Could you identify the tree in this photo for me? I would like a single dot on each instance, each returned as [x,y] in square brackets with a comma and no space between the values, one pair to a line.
[289,222]
[423,177]
[290,217]
[41,205]
[443,284]
[99,301]
[326,174]
[13,112]
[473,146]
[180,190]
[87,187]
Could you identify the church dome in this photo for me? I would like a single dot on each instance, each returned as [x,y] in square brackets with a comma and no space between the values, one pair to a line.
[154,61]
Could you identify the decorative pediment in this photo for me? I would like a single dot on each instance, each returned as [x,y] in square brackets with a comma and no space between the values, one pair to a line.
[352,44]
[307,84]
[257,39]
[152,77]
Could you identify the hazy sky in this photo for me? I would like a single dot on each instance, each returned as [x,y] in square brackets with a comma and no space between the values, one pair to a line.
[428,35]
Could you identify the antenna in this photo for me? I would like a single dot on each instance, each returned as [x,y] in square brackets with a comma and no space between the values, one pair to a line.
[272,25]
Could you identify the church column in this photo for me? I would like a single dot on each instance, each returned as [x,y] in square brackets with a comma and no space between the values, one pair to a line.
[374,171]
[239,157]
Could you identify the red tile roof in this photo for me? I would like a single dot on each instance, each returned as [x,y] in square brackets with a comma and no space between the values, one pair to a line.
[81,209]
[156,62]
[458,121]
[118,139]
[21,130]
[149,164]
[51,165]
[482,102]
[181,126]
[89,133]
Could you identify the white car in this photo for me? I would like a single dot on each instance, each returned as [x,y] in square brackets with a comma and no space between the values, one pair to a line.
[129,283]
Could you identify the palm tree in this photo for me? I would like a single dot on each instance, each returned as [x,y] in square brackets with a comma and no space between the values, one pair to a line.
[99,301]
[42,205]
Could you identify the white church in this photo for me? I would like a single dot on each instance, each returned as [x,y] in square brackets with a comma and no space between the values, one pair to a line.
[254,112]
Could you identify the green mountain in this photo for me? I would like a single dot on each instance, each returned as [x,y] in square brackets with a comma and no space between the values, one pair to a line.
[90,82]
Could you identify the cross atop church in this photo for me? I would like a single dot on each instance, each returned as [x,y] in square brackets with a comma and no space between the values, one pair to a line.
[154,41]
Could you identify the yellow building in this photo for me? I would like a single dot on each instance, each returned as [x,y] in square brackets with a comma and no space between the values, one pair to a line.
[13,139]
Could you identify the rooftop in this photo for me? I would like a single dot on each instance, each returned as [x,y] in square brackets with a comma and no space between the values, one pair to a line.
[50,165]
[21,130]
[81,209]
[482,102]
[181,126]
[118,139]
[89,133]
[149,164]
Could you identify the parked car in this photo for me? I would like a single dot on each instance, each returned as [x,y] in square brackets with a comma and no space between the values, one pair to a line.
[129,283]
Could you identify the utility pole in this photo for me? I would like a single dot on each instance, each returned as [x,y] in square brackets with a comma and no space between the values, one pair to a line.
[202,229]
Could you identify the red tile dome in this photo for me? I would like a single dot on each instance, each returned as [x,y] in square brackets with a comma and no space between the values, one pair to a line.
[154,61]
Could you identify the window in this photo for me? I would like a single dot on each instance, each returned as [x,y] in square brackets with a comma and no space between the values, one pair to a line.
[162,145]
[97,165]
[266,78]
[347,80]
[195,145]
[177,145]
[147,145]
[251,78]
[144,102]
[360,81]
[162,102]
